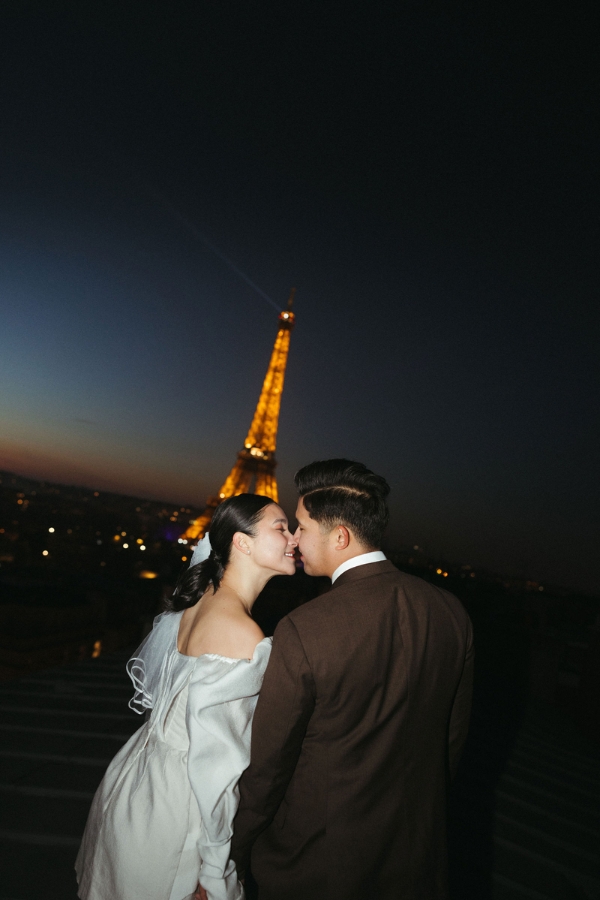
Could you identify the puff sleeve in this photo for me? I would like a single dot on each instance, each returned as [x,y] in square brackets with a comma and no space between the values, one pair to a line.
[221,701]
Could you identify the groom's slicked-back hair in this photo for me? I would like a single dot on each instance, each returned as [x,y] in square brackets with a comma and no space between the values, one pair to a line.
[343,492]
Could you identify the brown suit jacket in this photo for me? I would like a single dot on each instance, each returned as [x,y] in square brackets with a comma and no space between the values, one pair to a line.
[358,728]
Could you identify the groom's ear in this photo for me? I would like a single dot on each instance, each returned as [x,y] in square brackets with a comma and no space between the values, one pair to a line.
[341,537]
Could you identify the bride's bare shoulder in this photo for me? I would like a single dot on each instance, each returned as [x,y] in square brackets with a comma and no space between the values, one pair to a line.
[228,634]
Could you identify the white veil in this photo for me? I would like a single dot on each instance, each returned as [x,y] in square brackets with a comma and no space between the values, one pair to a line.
[146,666]
[202,551]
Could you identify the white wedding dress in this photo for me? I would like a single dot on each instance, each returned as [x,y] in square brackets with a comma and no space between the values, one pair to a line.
[161,819]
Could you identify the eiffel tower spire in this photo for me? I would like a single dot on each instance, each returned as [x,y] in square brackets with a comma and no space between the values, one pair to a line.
[256,460]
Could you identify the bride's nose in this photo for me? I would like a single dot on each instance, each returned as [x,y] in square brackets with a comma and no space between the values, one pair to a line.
[293,540]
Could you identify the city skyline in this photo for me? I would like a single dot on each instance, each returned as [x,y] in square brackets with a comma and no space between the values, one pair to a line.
[31,493]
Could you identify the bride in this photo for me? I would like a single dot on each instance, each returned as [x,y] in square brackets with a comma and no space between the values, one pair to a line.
[160,822]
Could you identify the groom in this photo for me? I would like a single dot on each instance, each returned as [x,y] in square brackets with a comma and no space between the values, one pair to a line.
[361,718]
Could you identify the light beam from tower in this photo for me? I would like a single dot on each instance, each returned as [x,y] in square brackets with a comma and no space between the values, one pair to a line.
[256,460]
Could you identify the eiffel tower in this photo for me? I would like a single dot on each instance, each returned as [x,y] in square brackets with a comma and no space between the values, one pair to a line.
[256,460]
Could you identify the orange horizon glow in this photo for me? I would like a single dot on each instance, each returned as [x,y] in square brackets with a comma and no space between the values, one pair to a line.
[118,477]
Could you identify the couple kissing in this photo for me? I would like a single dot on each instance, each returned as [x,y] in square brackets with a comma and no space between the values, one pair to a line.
[321,758]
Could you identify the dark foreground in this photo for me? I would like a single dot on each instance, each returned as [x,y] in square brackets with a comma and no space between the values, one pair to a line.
[525,815]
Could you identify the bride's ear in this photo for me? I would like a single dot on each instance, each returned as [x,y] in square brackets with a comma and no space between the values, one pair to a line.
[240,542]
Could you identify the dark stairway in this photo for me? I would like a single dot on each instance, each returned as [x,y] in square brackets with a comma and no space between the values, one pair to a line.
[525,819]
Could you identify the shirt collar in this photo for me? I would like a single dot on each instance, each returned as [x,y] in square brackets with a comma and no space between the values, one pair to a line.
[361,560]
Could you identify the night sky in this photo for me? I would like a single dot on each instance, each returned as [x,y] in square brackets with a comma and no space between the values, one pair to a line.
[426,176]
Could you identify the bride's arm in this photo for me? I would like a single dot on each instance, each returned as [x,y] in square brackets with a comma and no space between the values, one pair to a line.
[284,708]
[221,704]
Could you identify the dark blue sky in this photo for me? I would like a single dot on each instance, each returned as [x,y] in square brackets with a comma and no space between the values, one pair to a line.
[425,178]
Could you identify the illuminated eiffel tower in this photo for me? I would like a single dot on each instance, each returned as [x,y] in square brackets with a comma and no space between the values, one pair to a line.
[256,460]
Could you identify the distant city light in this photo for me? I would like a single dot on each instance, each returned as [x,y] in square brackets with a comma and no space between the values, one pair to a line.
[117,537]
[19,501]
[44,553]
[221,496]
[96,494]
[51,530]
[540,588]
[98,541]
[416,547]
[445,574]
[142,547]
[125,546]
[145,573]
[123,534]
[438,571]
[139,541]
[184,558]
[97,650]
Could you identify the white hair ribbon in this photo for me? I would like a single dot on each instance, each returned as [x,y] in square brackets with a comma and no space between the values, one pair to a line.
[202,551]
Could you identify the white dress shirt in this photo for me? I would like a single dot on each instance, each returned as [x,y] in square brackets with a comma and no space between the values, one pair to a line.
[361,560]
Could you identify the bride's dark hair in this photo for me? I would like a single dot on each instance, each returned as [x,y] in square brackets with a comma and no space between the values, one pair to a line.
[239,513]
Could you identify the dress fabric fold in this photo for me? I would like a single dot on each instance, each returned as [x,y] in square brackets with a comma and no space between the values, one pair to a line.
[161,819]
